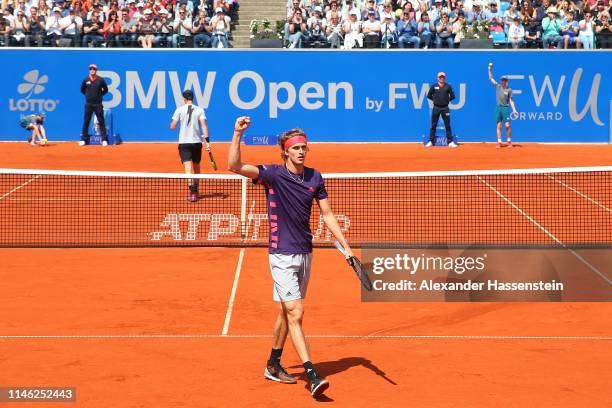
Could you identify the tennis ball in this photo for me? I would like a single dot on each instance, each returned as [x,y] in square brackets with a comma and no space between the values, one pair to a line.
[490,64]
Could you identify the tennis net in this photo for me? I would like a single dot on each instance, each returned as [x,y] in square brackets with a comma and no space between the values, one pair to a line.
[536,207]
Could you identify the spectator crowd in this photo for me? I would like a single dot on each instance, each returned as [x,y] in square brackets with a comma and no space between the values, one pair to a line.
[117,23]
[348,24]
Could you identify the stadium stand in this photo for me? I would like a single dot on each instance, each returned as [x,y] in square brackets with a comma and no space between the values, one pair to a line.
[308,23]
[351,24]
[117,23]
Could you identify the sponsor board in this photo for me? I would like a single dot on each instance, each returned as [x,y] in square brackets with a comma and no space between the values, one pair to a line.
[558,99]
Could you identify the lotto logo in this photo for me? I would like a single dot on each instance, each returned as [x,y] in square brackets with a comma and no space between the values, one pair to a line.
[33,84]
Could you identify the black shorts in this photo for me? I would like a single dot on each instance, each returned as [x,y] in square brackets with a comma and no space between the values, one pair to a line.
[190,152]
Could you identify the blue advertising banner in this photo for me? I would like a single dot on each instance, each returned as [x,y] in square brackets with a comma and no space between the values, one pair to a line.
[335,96]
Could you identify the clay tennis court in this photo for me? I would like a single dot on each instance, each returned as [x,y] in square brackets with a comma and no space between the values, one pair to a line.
[132,327]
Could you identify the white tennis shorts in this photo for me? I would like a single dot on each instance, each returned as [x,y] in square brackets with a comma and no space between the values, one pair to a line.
[290,273]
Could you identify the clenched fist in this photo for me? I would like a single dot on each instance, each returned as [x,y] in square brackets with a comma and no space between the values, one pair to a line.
[242,123]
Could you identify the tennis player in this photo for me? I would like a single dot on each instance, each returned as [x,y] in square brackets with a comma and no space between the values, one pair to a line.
[291,188]
[503,98]
[191,118]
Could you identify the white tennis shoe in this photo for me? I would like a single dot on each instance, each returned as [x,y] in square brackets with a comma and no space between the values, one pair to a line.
[453,144]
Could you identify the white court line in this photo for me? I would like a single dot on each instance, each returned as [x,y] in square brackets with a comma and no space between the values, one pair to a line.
[416,200]
[586,197]
[90,199]
[230,304]
[548,233]
[105,199]
[20,186]
[316,336]
[523,213]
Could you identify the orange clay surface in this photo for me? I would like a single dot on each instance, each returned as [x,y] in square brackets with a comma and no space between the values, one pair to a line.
[150,320]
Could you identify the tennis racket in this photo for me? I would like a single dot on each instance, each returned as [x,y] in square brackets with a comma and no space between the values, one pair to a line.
[212,161]
[357,266]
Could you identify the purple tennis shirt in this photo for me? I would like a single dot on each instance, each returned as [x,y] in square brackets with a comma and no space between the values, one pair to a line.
[289,198]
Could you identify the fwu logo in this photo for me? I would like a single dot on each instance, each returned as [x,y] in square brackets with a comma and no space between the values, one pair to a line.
[33,84]
[544,90]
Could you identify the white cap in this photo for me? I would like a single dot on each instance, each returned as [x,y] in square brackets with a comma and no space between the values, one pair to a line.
[147,11]
[56,9]
[318,8]
[354,12]
[140,5]
[163,11]
[219,10]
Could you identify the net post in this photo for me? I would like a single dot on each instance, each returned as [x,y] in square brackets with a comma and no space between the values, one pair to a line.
[243,201]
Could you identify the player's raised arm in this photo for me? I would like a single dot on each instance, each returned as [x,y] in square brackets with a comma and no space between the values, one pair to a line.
[234,162]
[491,74]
